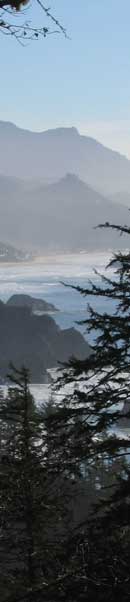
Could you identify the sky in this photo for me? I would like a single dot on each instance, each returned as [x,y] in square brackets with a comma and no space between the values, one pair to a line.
[82,81]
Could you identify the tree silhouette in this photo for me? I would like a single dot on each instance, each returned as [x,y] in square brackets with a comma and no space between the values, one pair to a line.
[95,408]
[16,19]
[34,498]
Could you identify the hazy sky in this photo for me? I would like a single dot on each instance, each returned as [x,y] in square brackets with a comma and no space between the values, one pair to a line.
[83,81]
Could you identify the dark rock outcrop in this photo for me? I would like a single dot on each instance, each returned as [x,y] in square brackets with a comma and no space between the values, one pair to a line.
[36,342]
[35,305]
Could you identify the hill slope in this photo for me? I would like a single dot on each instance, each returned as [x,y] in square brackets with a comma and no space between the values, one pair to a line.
[51,154]
[8,253]
[58,217]
[35,305]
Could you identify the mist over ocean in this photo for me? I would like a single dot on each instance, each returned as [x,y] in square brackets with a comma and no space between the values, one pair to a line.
[43,279]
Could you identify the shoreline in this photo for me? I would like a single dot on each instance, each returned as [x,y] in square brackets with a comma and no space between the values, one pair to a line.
[52,257]
[60,257]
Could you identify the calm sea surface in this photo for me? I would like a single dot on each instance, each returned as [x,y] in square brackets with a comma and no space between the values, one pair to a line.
[43,279]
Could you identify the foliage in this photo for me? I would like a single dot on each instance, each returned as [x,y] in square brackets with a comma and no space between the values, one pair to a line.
[65,475]
[95,414]
[35,507]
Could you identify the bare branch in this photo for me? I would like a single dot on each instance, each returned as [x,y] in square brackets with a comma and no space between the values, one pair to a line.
[121,229]
[23,30]
[50,16]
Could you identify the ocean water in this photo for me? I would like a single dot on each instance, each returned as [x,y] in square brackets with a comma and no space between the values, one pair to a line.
[44,279]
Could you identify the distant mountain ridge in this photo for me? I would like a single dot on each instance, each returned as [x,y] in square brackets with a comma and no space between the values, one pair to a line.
[58,217]
[51,154]
[8,253]
[52,216]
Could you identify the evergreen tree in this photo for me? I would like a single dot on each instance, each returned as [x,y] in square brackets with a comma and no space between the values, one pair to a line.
[92,417]
[34,499]
[65,478]
[21,487]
